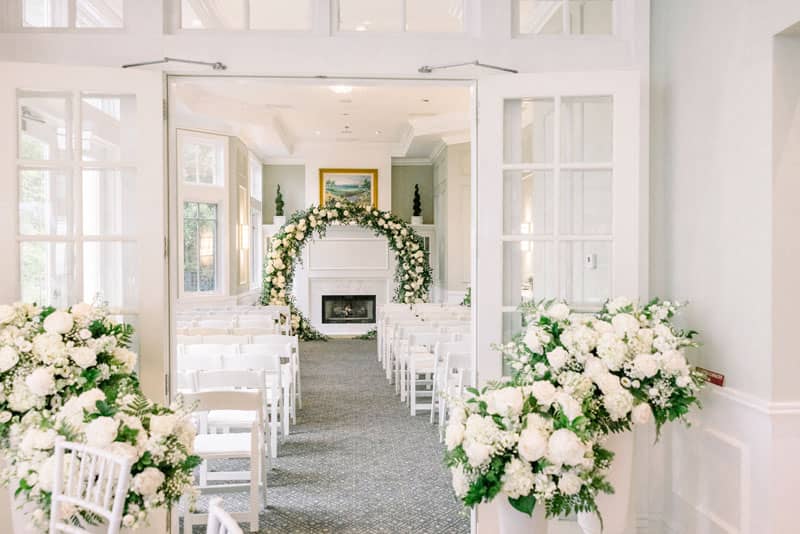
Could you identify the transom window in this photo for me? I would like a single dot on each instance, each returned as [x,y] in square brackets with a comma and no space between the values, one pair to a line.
[565,17]
[84,14]
[439,16]
[294,15]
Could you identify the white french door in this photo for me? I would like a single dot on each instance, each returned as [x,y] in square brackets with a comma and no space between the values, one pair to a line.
[560,202]
[560,198]
[82,196]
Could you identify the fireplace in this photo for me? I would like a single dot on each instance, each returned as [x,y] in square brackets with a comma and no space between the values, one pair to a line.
[348,309]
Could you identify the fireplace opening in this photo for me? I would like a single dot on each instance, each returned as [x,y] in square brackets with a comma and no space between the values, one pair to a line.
[338,309]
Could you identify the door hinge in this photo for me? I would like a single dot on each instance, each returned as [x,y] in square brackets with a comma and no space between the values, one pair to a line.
[164,109]
[166,386]
[166,247]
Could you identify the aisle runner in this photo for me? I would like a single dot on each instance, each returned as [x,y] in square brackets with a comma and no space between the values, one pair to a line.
[356,462]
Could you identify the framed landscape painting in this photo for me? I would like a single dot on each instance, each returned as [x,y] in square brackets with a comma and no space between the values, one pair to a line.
[359,186]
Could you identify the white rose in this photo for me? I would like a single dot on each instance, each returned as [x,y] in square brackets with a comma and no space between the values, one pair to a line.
[558,311]
[83,356]
[607,382]
[461,482]
[564,447]
[618,403]
[506,402]
[148,481]
[477,453]
[569,406]
[41,382]
[517,479]
[674,363]
[125,450]
[126,357]
[683,381]
[186,432]
[81,310]
[47,473]
[8,358]
[534,338]
[625,325]
[532,444]
[543,391]
[7,313]
[101,432]
[557,357]
[645,365]
[534,420]
[641,414]
[58,322]
[570,483]
[615,305]
[163,425]
[36,439]
[454,435]
[594,367]
[612,351]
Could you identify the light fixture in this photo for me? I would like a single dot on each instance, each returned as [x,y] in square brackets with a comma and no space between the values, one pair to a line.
[245,235]
[317,132]
[378,132]
[361,28]
[525,228]
[341,89]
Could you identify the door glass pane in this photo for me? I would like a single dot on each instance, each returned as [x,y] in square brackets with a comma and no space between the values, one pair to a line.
[44,127]
[512,325]
[591,17]
[109,202]
[280,15]
[444,16]
[540,16]
[44,13]
[585,207]
[216,14]
[528,132]
[370,15]
[199,247]
[45,202]
[586,129]
[98,14]
[586,271]
[109,273]
[106,129]
[528,202]
[528,271]
[46,272]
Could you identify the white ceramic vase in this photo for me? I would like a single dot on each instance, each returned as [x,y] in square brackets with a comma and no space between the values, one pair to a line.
[512,521]
[416,220]
[279,220]
[616,507]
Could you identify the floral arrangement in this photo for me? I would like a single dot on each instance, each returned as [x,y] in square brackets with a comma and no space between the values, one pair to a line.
[412,277]
[579,376]
[531,443]
[69,374]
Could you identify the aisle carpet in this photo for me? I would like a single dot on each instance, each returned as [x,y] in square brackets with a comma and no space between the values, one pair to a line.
[356,462]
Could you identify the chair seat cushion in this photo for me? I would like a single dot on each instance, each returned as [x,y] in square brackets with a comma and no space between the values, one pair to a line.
[230,444]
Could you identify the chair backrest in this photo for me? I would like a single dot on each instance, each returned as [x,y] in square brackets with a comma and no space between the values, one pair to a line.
[186,381]
[244,400]
[205,331]
[255,331]
[188,340]
[279,338]
[227,379]
[214,323]
[269,362]
[91,479]
[210,348]
[282,349]
[220,521]
[443,347]
[460,362]
[256,321]
[227,339]
[427,339]
[190,362]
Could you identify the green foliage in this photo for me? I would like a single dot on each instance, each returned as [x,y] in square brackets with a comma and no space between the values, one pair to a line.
[417,202]
[369,334]
[524,504]
[279,202]
[467,300]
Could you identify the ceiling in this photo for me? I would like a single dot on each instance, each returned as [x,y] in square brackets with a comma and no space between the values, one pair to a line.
[275,117]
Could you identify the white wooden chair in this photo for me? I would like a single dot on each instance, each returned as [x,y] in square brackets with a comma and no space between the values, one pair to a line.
[457,374]
[188,340]
[202,331]
[225,339]
[276,391]
[199,362]
[209,348]
[254,331]
[96,482]
[293,340]
[283,348]
[420,359]
[220,521]
[439,375]
[215,323]
[240,445]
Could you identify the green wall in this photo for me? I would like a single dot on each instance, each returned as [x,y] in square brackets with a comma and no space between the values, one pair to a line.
[403,179]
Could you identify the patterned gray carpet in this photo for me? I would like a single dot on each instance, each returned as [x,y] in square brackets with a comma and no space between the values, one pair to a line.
[356,462]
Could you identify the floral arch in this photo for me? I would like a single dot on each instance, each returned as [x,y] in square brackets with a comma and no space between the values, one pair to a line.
[412,275]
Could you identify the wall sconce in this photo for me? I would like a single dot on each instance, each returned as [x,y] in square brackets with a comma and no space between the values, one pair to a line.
[244,234]
[525,228]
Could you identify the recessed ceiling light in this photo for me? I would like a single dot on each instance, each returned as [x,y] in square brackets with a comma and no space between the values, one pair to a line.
[378,132]
[341,89]
[345,114]
[426,100]
[361,28]
[317,132]
[346,126]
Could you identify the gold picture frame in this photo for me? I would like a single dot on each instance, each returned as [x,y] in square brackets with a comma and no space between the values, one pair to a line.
[359,186]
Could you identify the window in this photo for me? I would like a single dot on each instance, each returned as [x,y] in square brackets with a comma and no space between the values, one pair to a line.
[202,159]
[566,17]
[256,217]
[76,229]
[294,15]
[557,221]
[200,247]
[441,16]
[83,14]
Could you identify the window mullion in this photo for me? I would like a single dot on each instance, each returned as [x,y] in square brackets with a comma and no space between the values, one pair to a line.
[565,17]
[77,193]
[557,192]
[404,16]
[72,14]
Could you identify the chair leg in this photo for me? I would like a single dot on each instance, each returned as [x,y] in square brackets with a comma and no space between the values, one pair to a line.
[273,431]
[285,414]
[255,468]
[434,400]
[204,473]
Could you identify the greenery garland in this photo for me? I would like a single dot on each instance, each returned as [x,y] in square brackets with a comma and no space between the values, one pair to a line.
[412,276]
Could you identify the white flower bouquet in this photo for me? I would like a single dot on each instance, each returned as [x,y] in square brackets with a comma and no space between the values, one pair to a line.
[530,443]
[69,373]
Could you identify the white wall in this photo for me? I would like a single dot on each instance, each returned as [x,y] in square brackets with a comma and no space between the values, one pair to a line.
[712,218]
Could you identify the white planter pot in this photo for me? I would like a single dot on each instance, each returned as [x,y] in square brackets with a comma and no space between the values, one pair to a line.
[279,220]
[615,508]
[416,220]
[512,521]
